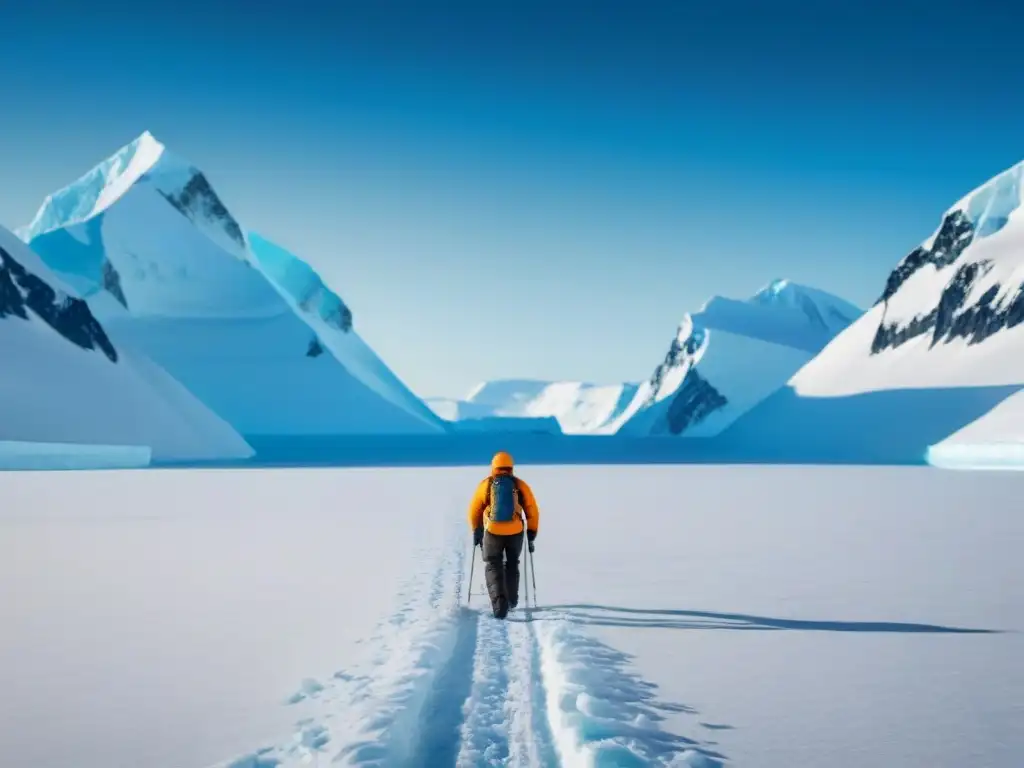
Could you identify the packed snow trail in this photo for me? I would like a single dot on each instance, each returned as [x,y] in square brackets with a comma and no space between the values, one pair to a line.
[447,684]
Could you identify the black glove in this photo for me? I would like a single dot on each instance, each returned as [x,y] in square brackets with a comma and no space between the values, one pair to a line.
[478,537]
[530,536]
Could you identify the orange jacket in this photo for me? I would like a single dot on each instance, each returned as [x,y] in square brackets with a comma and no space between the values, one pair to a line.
[479,510]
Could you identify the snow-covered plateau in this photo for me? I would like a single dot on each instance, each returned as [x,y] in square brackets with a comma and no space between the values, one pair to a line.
[861,616]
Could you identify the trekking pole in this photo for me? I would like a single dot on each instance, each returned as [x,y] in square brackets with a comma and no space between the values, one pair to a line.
[533,578]
[472,563]
[526,584]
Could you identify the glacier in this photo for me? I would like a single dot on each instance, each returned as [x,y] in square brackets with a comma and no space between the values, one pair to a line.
[730,355]
[576,407]
[21,455]
[242,324]
[72,385]
[993,441]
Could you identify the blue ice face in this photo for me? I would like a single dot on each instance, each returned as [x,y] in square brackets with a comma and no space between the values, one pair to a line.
[990,208]
[76,201]
[300,282]
[81,261]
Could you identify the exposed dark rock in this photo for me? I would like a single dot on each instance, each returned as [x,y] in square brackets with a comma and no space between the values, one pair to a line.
[112,283]
[950,319]
[12,303]
[69,316]
[340,317]
[676,356]
[694,401]
[315,348]
[696,397]
[955,234]
[197,199]
[319,300]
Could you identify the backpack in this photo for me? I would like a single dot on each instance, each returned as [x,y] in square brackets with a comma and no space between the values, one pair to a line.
[503,499]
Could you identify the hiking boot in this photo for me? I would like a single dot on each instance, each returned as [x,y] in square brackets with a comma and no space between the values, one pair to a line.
[500,608]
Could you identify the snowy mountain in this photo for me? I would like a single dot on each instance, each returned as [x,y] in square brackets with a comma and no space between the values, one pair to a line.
[730,355]
[244,325]
[578,407]
[938,350]
[331,320]
[65,381]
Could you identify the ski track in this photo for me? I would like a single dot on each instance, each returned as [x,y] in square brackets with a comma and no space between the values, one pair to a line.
[446,684]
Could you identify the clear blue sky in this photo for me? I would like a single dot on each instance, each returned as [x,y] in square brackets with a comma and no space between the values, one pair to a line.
[537,189]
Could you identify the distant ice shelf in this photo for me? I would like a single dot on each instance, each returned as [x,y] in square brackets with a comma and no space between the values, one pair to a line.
[977,456]
[17,455]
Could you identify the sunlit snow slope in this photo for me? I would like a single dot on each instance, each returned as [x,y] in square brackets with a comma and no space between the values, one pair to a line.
[939,349]
[732,354]
[578,407]
[64,381]
[169,271]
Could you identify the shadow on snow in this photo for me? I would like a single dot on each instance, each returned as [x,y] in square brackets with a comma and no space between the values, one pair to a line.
[611,616]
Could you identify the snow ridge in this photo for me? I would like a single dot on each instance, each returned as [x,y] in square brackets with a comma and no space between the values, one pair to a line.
[95,190]
[300,282]
[330,321]
[144,160]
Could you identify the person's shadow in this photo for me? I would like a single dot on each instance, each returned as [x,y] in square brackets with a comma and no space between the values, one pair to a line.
[660,618]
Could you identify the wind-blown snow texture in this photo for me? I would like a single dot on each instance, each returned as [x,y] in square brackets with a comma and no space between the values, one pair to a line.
[201,618]
[576,407]
[169,272]
[64,381]
[938,350]
[730,355]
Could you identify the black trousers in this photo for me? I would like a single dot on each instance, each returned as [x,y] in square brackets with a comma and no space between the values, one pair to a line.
[501,556]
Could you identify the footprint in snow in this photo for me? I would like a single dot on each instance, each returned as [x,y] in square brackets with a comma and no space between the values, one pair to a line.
[309,688]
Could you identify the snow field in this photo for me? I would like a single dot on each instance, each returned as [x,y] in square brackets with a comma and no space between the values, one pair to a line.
[449,685]
[688,616]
